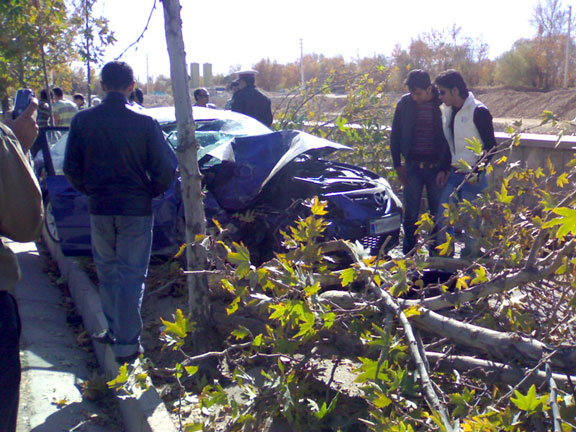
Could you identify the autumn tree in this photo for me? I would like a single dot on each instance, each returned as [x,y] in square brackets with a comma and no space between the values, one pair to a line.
[539,62]
[39,37]
[439,50]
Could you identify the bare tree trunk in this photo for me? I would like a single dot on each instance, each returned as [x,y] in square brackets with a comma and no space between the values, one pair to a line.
[198,295]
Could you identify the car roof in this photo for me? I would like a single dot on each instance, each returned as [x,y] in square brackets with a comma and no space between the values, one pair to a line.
[167,114]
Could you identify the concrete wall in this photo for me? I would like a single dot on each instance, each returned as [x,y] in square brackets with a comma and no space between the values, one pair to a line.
[534,150]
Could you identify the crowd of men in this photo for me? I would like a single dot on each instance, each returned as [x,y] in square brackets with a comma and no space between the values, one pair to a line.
[118,157]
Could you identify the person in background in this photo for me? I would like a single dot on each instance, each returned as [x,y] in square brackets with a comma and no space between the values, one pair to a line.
[234,87]
[79,101]
[418,137]
[21,213]
[43,118]
[250,101]
[62,108]
[96,101]
[137,97]
[118,157]
[464,119]
[202,98]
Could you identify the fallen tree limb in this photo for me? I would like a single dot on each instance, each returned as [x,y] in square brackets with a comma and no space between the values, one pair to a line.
[429,392]
[495,372]
[502,345]
[498,285]
[505,346]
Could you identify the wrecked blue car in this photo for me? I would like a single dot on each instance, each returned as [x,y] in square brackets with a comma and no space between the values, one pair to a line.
[255,180]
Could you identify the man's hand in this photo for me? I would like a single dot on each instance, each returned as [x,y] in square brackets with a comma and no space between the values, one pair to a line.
[24,126]
[402,174]
[442,178]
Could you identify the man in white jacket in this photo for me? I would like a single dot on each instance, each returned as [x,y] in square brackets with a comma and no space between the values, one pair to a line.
[465,119]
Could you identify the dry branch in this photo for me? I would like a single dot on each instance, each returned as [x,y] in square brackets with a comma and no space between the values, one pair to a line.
[498,285]
[494,372]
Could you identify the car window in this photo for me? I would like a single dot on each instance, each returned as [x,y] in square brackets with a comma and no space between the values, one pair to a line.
[210,132]
[57,143]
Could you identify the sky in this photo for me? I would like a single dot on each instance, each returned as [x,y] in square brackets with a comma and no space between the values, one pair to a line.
[237,34]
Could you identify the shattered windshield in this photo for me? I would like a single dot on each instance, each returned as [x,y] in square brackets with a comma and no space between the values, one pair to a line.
[215,132]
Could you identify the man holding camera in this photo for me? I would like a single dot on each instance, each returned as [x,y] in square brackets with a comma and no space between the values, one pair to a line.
[21,213]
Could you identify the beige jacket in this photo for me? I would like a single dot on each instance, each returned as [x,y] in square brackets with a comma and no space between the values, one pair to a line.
[21,209]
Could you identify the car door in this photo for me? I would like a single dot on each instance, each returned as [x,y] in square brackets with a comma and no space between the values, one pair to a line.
[67,212]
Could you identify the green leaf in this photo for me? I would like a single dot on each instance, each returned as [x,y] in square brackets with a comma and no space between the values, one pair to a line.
[480,276]
[180,327]
[257,340]
[121,379]
[318,207]
[530,402]
[382,401]
[347,276]
[191,370]
[241,258]
[475,145]
[412,311]
[311,290]
[193,427]
[233,307]
[240,333]
[503,196]
[446,248]
[567,222]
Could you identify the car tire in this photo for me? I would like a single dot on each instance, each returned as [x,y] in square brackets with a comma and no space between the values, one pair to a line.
[50,222]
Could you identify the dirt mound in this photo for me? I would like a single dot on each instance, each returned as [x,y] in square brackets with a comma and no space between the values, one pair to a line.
[529,104]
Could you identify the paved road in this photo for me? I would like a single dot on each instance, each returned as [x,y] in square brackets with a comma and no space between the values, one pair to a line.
[52,361]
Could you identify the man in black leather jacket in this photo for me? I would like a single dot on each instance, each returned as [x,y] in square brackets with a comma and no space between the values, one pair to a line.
[119,158]
[251,101]
[417,136]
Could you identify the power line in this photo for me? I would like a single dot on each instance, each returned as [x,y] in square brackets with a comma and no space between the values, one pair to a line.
[142,34]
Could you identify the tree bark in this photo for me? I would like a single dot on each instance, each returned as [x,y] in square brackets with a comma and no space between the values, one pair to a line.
[191,179]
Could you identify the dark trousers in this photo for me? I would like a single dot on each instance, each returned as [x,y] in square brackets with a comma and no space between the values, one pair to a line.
[419,176]
[9,362]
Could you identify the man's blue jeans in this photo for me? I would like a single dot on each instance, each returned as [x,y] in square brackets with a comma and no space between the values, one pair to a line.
[419,176]
[121,250]
[469,192]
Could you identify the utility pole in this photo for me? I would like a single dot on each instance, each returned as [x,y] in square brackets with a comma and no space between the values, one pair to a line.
[302,81]
[147,76]
[87,39]
[567,57]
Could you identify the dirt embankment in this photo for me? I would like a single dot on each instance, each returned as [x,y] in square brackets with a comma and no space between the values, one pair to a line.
[508,105]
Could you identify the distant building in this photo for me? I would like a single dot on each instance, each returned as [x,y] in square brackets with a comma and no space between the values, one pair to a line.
[207,78]
[194,75]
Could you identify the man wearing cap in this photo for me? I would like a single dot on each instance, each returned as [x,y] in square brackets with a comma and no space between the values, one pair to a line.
[418,137]
[251,101]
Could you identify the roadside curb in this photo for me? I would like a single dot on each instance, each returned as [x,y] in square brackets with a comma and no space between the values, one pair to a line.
[143,410]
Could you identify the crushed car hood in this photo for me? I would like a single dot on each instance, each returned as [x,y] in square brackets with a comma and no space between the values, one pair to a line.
[250,162]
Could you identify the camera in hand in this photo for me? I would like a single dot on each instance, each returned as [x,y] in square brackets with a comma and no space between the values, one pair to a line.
[22,101]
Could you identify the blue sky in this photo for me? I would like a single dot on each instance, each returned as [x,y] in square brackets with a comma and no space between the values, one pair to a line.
[227,33]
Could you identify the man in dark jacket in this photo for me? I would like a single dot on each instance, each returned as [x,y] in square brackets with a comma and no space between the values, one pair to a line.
[418,137]
[119,158]
[251,101]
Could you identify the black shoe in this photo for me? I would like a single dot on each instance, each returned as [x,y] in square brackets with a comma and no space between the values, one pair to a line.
[129,358]
[104,337]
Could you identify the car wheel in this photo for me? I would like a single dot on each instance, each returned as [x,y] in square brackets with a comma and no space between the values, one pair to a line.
[50,222]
